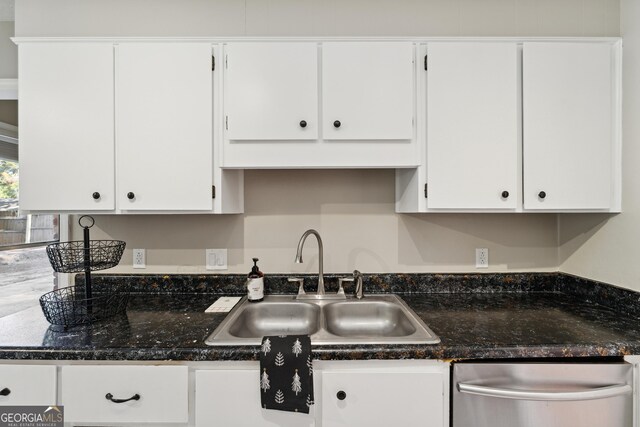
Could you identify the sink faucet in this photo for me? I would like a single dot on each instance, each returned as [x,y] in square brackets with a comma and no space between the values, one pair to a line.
[320,250]
[357,276]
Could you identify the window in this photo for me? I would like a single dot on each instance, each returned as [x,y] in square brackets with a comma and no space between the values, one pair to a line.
[16,229]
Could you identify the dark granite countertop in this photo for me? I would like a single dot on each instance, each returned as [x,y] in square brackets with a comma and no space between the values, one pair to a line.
[483,323]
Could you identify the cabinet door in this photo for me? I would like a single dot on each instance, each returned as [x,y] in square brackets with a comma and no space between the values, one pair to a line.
[164,126]
[231,398]
[66,145]
[104,395]
[568,128]
[28,385]
[368,91]
[472,125]
[382,399]
[271,91]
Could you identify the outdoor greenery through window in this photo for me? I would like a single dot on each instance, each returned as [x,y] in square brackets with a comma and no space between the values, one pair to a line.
[25,272]
[16,229]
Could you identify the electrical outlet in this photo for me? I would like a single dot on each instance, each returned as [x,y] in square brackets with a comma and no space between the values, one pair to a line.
[139,258]
[216,259]
[482,258]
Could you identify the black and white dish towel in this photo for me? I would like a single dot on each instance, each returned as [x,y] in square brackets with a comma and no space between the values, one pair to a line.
[286,373]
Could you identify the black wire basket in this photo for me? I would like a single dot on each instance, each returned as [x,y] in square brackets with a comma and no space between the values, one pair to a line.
[69,257]
[70,306]
[79,305]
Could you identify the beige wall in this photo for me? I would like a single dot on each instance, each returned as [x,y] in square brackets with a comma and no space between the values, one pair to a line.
[352,209]
[317,17]
[9,112]
[354,212]
[8,52]
[8,70]
[605,247]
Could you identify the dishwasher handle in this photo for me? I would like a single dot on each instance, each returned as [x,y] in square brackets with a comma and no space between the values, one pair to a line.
[507,393]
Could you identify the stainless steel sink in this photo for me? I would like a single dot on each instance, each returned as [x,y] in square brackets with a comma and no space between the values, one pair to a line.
[367,318]
[376,319]
[276,318]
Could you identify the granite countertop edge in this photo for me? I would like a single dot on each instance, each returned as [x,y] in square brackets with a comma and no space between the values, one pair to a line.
[612,341]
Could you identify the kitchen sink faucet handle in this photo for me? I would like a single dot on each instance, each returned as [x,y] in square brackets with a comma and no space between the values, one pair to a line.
[357,276]
[340,284]
[300,281]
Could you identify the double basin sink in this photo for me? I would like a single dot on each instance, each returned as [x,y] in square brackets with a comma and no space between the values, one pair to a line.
[377,319]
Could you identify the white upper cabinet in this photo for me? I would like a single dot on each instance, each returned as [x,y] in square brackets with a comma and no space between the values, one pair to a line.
[472,125]
[570,139]
[271,91]
[368,90]
[319,105]
[66,146]
[164,126]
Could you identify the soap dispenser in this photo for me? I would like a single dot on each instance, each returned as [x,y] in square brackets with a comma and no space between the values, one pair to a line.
[255,283]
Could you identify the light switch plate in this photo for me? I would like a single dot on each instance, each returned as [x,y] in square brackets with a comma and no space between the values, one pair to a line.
[216,259]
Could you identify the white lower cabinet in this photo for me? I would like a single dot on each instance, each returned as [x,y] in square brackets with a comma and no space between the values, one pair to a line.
[231,398]
[347,393]
[27,385]
[125,394]
[350,393]
[385,393]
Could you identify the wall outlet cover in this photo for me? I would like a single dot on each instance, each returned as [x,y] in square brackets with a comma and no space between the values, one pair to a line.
[482,258]
[139,258]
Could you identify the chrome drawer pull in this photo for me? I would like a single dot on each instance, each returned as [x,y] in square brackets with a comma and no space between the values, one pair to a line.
[507,393]
[5,392]
[109,396]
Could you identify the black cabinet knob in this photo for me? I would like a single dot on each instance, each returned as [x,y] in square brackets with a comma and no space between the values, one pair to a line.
[95,195]
[130,195]
[5,392]
[303,123]
[337,124]
[505,194]
[341,395]
[110,397]
[542,194]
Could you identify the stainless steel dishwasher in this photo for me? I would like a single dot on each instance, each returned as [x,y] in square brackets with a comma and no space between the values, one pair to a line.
[542,395]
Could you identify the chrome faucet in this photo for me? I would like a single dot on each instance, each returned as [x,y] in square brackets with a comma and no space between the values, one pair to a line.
[357,277]
[320,260]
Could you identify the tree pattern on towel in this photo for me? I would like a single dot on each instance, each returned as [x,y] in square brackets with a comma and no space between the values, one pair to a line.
[296,386]
[286,373]
[264,381]
[296,348]
[266,346]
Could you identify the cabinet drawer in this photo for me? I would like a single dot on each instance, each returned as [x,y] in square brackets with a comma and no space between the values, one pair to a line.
[162,391]
[28,385]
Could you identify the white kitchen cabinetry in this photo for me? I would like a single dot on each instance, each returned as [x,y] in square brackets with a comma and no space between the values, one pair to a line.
[66,149]
[164,100]
[347,393]
[368,91]
[27,385]
[565,152]
[571,126]
[385,393]
[275,118]
[230,397]
[125,394]
[124,135]
[271,91]
[472,125]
